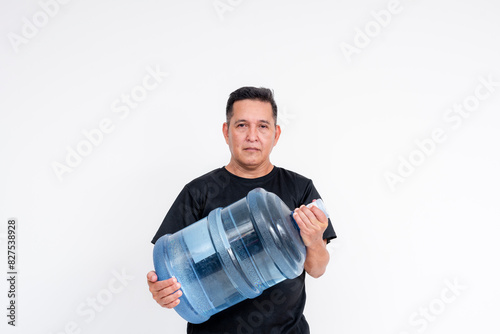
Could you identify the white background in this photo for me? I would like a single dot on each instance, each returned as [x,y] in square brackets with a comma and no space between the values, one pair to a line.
[347,121]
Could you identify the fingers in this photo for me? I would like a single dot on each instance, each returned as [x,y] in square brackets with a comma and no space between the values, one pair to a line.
[310,224]
[167,292]
[319,214]
[307,218]
[169,297]
[314,214]
[166,287]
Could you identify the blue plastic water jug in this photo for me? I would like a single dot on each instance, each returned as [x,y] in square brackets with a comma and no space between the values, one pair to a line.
[233,254]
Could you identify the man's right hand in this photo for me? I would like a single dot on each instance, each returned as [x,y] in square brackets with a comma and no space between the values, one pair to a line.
[166,293]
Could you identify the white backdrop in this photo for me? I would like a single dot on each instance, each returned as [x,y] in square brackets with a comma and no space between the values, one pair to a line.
[109,107]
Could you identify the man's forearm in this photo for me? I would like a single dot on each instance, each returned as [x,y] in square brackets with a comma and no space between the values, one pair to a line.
[317,258]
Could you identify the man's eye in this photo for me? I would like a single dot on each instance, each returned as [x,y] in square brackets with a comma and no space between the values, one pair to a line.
[240,125]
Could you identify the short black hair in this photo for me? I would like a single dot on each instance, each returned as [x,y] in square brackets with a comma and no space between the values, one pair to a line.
[251,93]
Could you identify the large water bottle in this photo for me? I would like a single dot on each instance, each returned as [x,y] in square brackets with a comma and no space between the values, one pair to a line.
[233,254]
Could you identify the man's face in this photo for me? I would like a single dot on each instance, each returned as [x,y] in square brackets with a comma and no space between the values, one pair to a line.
[251,133]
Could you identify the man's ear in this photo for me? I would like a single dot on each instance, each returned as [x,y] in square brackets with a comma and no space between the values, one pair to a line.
[225,132]
[277,135]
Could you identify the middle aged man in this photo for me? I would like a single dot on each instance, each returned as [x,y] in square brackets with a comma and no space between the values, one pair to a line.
[251,133]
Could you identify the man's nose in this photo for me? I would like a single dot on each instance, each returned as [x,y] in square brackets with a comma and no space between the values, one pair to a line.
[252,133]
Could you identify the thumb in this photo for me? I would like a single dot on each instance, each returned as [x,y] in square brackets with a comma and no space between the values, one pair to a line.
[152,277]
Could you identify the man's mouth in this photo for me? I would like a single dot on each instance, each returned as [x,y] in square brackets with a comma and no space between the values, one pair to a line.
[251,149]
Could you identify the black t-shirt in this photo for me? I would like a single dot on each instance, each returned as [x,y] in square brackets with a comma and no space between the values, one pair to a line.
[279,309]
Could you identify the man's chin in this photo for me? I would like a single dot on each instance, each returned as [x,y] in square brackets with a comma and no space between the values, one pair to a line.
[251,163]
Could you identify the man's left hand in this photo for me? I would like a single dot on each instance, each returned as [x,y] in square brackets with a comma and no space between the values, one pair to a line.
[312,223]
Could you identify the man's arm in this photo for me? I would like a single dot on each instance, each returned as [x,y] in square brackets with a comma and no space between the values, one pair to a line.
[313,223]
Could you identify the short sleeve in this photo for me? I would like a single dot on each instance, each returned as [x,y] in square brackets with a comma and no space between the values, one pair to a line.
[184,211]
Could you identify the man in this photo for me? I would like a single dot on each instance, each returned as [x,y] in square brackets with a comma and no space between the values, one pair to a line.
[251,133]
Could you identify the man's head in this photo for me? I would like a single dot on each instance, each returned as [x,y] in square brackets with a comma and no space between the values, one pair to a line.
[251,131]
[251,93]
